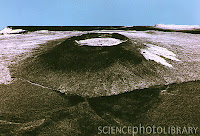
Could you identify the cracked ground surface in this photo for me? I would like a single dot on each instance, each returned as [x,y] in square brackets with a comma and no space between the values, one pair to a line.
[31,108]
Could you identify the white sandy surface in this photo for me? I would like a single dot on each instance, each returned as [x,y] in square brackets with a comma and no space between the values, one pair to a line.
[177,27]
[100,42]
[156,53]
[8,30]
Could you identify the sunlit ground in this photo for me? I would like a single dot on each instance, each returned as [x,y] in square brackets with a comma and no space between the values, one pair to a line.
[162,88]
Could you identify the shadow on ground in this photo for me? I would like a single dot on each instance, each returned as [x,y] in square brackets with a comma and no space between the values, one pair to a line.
[30,110]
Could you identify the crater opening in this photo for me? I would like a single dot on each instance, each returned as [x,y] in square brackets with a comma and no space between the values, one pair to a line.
[90,52]
[100,42]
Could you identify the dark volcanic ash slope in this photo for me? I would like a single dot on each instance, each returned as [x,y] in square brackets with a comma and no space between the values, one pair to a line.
[94,71]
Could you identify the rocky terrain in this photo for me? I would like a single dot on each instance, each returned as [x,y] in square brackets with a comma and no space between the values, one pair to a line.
[61,83]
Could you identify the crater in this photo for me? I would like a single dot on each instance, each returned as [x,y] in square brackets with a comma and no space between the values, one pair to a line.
[74,67]
[90,52]
[100,42]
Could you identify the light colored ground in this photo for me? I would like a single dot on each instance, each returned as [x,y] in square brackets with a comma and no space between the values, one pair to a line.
[156,53]
[177,27]
[8,30]
[16,47]
[100,42]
